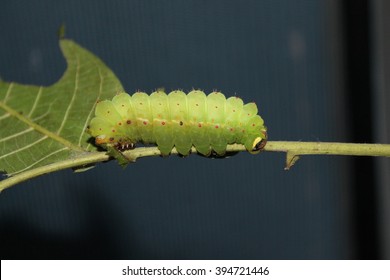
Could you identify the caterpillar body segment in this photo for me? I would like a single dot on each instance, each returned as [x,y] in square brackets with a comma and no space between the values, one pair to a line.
[209,123]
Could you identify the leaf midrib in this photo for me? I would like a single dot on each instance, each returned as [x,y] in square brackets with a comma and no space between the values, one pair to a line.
[39,128]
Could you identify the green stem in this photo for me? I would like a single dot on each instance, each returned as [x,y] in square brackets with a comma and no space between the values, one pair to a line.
[293,149]
[78,163]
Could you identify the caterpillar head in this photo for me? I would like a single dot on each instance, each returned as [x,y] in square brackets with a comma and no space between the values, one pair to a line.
[254,132]
[255,144]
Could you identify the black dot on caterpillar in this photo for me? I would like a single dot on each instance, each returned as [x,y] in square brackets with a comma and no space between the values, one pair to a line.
[209,123]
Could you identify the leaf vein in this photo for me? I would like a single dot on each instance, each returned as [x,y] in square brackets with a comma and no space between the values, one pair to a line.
[7,115]
[11,85]
[25,147]
[73,97]
[35,102]
[42,116]
[38,161]
[39,128]
[16,134]
[93,107]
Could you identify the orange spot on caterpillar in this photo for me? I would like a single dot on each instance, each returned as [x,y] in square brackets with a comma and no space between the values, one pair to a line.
[216,126]
[163,123]
[113,130]
[100,140]
[119,123]
[145,122]
[199,125]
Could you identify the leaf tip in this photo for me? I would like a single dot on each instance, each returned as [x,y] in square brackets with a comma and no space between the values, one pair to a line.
[61,31]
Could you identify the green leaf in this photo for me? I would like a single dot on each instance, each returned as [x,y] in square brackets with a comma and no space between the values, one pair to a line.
[44,125]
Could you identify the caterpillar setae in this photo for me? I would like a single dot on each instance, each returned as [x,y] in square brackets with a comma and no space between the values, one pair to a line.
[209,123]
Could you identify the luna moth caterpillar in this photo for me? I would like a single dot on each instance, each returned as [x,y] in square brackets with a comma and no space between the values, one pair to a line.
[209,123]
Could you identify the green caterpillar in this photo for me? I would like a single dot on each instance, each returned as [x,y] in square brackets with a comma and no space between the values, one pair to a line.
[209,123]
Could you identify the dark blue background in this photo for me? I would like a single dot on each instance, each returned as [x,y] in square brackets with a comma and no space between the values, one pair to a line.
[284,55]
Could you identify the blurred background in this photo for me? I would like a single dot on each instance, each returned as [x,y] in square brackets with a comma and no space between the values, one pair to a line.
[317,70]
